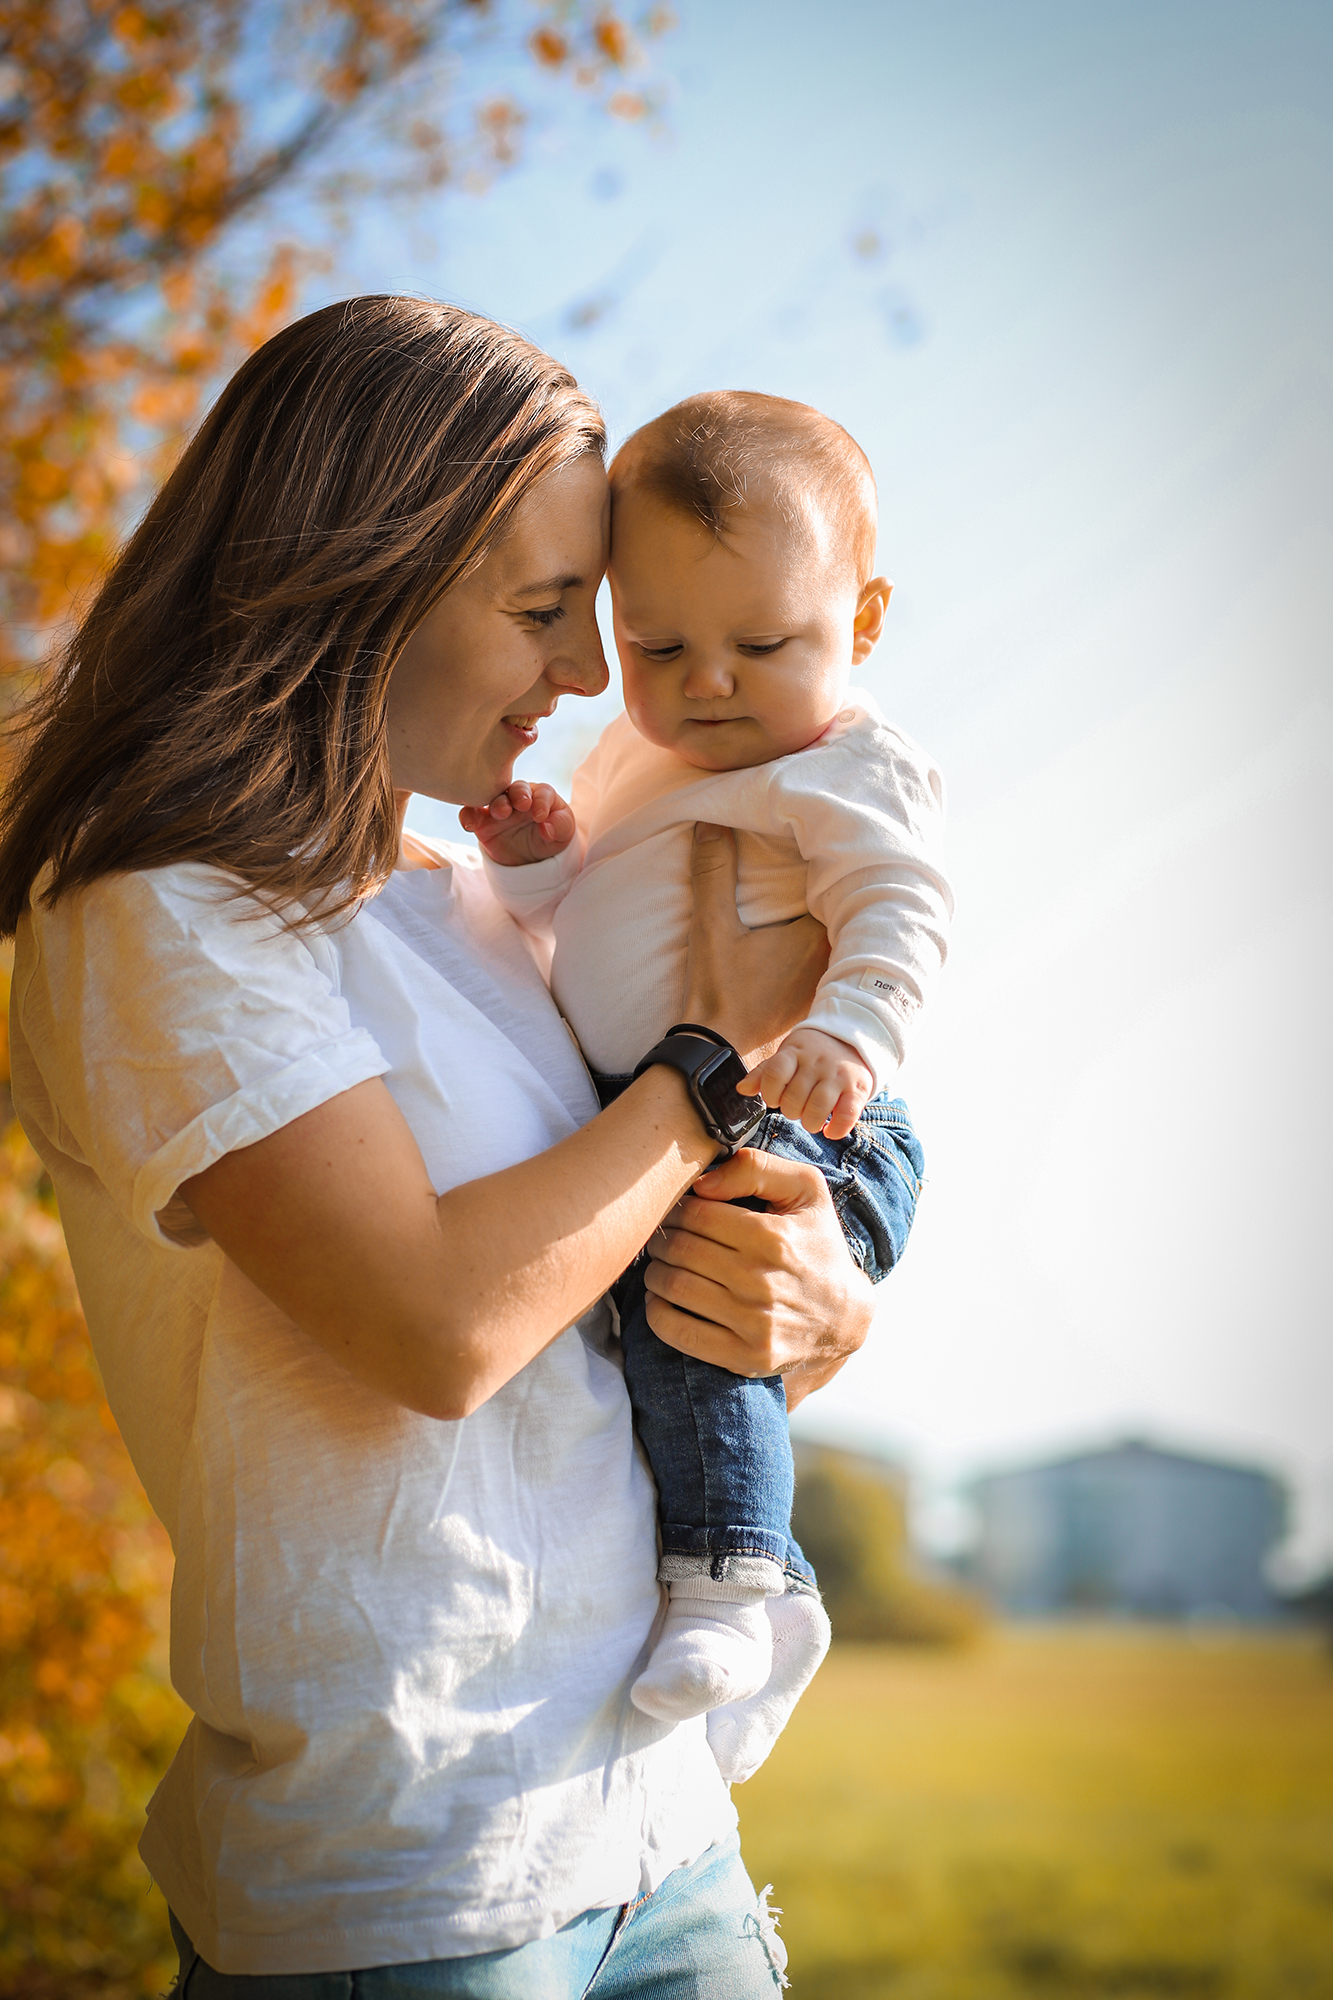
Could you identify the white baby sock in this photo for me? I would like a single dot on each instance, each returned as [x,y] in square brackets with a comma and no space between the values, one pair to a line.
[741,1734]
[716,1645]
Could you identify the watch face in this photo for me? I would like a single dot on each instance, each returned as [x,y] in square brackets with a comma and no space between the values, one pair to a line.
[716,1084]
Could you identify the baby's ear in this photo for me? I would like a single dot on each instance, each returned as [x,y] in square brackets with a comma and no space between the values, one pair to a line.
[871,606]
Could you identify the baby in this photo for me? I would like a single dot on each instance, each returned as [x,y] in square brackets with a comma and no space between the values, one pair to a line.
[742,543]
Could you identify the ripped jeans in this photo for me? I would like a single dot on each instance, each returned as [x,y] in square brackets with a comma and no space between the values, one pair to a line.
[718,1443]
[702,1934]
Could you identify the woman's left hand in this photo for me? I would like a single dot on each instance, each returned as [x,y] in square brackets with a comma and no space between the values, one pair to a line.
[759,1294]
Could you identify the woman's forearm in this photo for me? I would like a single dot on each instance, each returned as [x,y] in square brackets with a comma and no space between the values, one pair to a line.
[438,1300]
[588,1206]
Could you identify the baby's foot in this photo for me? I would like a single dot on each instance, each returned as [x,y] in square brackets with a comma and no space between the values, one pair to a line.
[712,1650]
[741,1736]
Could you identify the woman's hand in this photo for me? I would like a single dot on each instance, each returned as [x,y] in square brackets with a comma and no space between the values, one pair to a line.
[759,1294]
[751,986]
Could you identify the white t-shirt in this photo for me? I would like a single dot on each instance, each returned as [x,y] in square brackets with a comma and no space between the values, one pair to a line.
[850,828]
[407,1643]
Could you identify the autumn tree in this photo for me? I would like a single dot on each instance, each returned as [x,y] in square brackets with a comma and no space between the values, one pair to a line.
[135,140]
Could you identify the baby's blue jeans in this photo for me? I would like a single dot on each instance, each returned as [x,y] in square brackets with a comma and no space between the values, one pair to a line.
[702,1935]
[718,1443]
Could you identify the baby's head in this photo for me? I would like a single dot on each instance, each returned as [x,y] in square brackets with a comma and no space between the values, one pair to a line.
[742,543]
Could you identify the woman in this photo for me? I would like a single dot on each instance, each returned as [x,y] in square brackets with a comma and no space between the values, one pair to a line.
[341,1211]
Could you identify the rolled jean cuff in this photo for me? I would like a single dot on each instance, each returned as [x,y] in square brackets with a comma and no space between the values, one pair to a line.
[801,1579]
[746,1570]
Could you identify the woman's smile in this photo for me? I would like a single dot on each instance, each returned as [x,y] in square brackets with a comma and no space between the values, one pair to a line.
[524,727]
[496,637]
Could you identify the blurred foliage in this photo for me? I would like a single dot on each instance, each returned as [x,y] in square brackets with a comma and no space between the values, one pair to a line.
[88,1721]
[1092,1813]
[850,1518]
[133,138]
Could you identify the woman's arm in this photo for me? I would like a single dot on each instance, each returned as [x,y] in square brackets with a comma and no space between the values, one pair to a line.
[437,1301]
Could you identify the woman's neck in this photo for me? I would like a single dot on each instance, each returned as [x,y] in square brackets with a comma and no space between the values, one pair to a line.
[412,853]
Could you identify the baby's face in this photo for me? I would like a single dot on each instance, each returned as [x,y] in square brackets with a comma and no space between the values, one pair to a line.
[733,652]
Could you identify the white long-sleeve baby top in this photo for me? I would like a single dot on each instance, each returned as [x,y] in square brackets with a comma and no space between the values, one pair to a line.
[850,829]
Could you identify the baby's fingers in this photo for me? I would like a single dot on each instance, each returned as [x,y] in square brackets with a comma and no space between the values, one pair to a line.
[772,1077]
[558,827]
[550,815]
[820,1101]
[844,1115]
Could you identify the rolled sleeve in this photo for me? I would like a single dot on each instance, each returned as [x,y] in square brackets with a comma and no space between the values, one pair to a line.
[173,1020]
[248,1115]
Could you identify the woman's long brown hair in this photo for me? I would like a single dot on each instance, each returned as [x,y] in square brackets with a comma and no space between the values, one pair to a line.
[224,699]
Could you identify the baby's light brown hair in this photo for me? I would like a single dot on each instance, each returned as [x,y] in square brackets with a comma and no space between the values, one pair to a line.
[720,451]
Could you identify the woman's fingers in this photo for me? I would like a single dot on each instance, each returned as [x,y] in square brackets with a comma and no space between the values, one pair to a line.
[705,1340]
[709,1303]
[759,1293]
[722,1263]
[786,1185]
[750,985]
[714,924]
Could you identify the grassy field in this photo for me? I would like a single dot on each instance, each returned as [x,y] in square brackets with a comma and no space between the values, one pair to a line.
[1059,1813]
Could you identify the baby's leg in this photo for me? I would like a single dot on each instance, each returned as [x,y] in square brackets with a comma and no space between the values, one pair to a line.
[874,1176]
[720,1454]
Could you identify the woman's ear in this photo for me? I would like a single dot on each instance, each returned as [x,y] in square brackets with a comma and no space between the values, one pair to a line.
[871,606]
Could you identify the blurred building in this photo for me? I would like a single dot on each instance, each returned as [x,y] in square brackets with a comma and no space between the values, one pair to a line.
[1132,1530]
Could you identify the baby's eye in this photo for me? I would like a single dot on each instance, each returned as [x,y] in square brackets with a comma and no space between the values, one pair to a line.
[659,652]
[758,652]
[547,614]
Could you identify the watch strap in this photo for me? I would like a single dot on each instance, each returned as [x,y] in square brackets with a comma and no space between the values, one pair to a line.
[690,1048]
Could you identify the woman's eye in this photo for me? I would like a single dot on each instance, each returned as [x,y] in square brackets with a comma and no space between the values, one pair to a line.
[547,615]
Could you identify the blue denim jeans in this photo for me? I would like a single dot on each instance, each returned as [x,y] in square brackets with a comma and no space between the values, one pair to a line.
[702,1934]
[718,1443]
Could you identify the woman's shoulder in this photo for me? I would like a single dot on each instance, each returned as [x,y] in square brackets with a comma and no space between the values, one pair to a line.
[175,890]
[445,854]
[184,921]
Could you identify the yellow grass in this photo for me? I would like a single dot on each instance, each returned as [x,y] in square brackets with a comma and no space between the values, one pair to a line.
[1059,1813]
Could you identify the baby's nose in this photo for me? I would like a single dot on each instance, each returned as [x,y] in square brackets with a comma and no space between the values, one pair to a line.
[707,680]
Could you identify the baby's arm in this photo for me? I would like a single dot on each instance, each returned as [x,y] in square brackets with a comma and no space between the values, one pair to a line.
[815,1080]
[528,836]
[522,824]
[866,812]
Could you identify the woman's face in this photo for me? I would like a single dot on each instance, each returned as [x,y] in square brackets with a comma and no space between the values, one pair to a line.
[499,649]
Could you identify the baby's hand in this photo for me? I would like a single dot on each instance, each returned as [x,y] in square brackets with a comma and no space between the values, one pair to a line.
[814,1079]
[521,824]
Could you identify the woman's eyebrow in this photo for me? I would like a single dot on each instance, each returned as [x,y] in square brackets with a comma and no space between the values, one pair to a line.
[548,584]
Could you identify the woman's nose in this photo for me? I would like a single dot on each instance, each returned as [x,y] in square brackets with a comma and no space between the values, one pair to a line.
[581,668]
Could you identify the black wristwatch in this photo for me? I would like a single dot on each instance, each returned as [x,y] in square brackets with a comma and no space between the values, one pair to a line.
[712,1069]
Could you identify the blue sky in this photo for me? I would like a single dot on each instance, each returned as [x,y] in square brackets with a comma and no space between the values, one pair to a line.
[1064,271]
